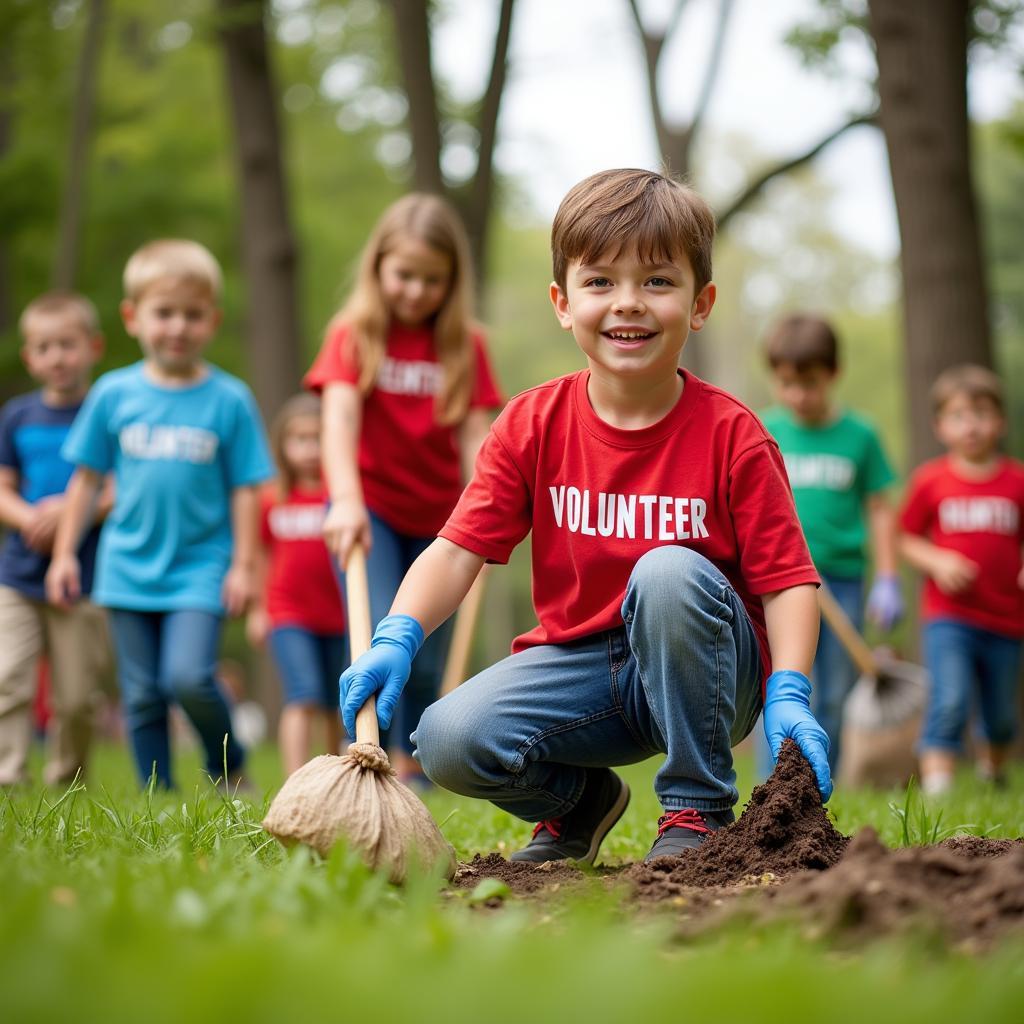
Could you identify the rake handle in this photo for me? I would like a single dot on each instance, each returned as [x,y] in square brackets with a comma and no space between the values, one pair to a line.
[360,631]
[854,644]
[462,635]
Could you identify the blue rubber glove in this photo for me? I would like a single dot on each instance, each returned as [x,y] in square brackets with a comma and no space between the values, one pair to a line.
[885,602]
[383,669]
[787,713]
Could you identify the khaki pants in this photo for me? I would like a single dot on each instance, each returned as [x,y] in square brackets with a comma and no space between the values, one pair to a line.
[79,651]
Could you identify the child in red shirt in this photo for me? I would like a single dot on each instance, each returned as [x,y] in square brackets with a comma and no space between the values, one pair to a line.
[962,527]
[407,388]
[300,613]
[670,573]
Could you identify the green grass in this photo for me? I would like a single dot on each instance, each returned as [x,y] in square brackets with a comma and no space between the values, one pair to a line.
[120,906]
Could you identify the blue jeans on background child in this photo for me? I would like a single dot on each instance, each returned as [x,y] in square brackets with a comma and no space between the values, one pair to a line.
[681,678]
[166,658]
[309,664]
[832,674]
[969,664]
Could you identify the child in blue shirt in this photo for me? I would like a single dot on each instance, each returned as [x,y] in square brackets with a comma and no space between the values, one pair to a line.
[61,343]
[186,445]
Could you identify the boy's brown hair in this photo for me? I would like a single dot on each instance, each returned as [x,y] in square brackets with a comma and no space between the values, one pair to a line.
[62,302]
[976,382]
[618,209]
[803,341]
[177,259]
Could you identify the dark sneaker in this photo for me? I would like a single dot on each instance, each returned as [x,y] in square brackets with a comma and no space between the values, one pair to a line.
[578,835]
[685,830]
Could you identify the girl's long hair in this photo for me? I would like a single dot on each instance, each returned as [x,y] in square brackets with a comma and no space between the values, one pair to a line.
[430,220]
[304,404]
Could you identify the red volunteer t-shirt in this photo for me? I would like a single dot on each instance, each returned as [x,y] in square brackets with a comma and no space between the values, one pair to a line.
[301,586]
[707,476]
[408,462]
[982,520]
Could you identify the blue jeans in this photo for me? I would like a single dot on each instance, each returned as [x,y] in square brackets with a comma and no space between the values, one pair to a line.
[165,658]
[967,664]
[389,559]
[682,678]
[309,664]
[832,674]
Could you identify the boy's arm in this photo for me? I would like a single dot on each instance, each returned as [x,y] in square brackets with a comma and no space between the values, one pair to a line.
[347,520]
[951,571]
[63,578]
[15,511]
[240,582]
[792,619]
[432,589]
[885,601]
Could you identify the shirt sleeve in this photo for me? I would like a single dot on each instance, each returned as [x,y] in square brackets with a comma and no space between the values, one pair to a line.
[266,503]
[878,472]
[918,509]
[90,441]
[772,551]
[248,455]
[335,362]
[485,385]
[495,511]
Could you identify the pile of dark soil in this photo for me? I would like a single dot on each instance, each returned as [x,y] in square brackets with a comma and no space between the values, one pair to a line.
[968,890]
[784,829]
[522,879]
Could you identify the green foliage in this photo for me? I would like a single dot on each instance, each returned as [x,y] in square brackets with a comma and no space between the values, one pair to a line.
[919,825]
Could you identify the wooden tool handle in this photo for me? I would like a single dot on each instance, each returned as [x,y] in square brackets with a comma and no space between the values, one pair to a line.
[462,637]
[853,643]
[357,597]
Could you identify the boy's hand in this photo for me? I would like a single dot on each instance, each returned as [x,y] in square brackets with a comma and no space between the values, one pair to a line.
[347,522]
[63,581]
[384,668]
[885,602]
[952,571]
[39,532]
[787,713]
[239,589]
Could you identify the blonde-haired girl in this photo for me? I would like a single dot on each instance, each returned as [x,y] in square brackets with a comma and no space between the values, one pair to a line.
[407,390]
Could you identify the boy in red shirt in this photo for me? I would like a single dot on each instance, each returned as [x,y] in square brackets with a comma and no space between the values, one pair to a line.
[670,574]
[962,528]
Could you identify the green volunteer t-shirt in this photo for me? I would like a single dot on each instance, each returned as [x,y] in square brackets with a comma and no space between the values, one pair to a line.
[832,469]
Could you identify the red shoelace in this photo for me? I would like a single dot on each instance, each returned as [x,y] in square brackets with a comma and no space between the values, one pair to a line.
[686,818]
[552,825]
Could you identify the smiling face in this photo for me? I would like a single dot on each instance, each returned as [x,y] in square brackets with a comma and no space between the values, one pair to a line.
[414,280]
[173,320]
[60,352]
[630,317]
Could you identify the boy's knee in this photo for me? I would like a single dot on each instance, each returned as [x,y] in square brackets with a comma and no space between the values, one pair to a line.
[674,576]
[186,687]
[449,749]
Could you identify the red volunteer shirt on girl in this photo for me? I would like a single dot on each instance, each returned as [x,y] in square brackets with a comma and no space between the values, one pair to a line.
[707,476]
[982,520]
[408,462]
[301,586]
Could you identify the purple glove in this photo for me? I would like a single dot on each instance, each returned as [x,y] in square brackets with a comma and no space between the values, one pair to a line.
[384,668]
[787,713]
[885,602]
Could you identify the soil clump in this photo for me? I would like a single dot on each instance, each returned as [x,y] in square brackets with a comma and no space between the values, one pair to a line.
[783,829]
[522,879]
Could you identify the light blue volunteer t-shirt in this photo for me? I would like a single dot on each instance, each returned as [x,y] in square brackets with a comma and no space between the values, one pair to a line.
[176,455]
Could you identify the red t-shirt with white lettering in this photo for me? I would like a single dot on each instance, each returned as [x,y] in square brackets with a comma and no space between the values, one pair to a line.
[408,462]
[982,520]
[301,586]
[707,476]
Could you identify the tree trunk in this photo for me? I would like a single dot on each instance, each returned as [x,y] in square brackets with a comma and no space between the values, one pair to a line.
[65,264]
[412,31]
[921,47]
[269,252]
